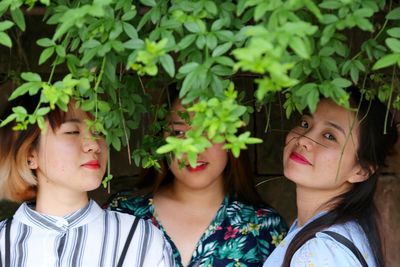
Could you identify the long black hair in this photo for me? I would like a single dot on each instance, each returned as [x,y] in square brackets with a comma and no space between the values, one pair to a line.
[358,203]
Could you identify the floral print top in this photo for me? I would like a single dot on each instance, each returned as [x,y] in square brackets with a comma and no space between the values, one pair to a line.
[239,235]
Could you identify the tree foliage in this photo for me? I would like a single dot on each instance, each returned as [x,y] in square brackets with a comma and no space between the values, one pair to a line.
[303,49]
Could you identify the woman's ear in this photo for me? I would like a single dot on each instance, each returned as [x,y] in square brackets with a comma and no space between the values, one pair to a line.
[361,174]
[33,160]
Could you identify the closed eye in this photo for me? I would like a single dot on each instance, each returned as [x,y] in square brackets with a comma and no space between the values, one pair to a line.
[72,132]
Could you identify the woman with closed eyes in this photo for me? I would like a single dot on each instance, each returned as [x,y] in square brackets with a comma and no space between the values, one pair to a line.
[55,167]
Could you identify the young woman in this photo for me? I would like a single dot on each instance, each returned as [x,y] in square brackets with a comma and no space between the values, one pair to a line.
[211,214]
[334,156]
[59,165]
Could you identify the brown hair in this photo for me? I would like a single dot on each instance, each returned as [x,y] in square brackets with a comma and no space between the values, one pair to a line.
[238,179]
[17,181]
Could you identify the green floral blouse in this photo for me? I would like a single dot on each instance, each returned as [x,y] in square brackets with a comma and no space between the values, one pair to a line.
[239,235]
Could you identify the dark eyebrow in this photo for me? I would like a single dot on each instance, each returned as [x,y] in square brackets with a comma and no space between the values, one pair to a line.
[329,123]
[334,125]
[179,123]
[74,120]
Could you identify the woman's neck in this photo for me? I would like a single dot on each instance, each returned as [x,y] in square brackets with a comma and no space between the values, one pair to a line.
[309,204]
[60,203]
[311,201]
[206,197]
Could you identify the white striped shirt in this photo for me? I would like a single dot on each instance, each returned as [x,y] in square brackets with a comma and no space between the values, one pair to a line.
[89,237]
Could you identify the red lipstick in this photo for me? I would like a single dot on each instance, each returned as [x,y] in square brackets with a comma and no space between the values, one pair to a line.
[199,167]
[92,164]
[299,158]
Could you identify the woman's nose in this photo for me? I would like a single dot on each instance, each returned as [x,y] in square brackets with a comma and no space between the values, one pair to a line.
[91,143]
[305,140]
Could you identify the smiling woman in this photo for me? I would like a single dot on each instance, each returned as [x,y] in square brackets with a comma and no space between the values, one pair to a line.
[57,166]
[334,156]
[210,213]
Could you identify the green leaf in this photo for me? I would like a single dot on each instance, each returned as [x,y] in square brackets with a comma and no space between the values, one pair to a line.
[340,82]
[312,100]
[130,30]
[5,25]
[386,61]
[31,77]
[43,111]
[117,46]
[192,27]
[103,106]
[188,67]
[327,34]
[241,6]
[168,64]
[186,41]
[9,119]
[222,70]
[18,18]
[331,4]
[91,44]
[394,14]
[165,148]
[313,8]
[34,87]
[393,44]
[19,110]
[21,90]
[88,105]
[60,50]
[46,54]
[299,47]
[151,3]
[45,42]
[201,41]
[187,84]
[5,40]
[211,41]
[221,49]
[226,61]
[329,19]
[217,25]
[260,10]
[211,7]
[116,143]
[394,32]
[354,74]
[129,15]
[134,44]
[305,89]
[329,63]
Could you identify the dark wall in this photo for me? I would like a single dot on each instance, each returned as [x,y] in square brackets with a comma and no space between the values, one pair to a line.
[265,158]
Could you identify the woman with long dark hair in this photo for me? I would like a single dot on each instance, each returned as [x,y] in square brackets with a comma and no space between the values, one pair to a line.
[211,214]
[334,156]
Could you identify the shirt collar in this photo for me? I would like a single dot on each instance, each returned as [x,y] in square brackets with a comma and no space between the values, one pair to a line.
[27,215]
[295,223]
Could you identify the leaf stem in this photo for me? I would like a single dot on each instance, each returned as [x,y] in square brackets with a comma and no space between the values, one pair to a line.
[99,78]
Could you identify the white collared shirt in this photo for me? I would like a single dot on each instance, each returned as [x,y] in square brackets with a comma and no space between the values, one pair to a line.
[323,249]
[89,237]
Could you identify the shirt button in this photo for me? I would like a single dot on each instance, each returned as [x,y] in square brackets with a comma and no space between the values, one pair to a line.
[62,223]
